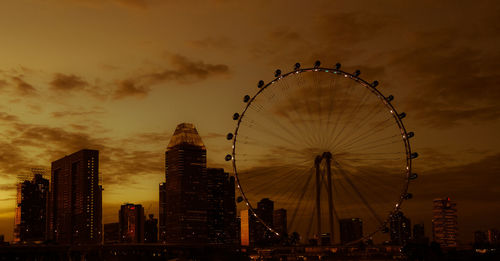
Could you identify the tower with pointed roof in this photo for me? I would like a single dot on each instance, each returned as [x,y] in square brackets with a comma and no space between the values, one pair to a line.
[183,196]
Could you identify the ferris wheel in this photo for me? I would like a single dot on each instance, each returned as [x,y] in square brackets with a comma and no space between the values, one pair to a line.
[326,146]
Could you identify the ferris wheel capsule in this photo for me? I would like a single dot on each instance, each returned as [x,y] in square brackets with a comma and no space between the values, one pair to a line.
[229,136]
[374,84]
[260,84]
[317,64]
[357,73]
[337,66]
[277,73]
[297,66]
[246,98]
[389,98]
[236,116]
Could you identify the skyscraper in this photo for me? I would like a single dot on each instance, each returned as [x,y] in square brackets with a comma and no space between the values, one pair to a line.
[279,221]
[131,223]
[75,201]
[400,228]
[31,209]
[221,213]
[265,211]
[183,196]
[151,230]
[445,222]
[351,229]
[247,227]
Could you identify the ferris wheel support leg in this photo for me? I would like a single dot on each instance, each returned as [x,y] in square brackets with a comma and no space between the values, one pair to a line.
[318,196]
[328,157]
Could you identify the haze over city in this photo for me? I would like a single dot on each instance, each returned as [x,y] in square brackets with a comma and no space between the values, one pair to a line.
[118,76]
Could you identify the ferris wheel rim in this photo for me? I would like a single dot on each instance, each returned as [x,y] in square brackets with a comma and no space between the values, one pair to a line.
[372,88]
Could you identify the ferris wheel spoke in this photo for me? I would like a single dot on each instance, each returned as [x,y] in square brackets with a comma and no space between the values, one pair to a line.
[377,143]
[271,181]
[379,127]
[299,200]
[363,121]
[351,116]
[365,202]
[312,130]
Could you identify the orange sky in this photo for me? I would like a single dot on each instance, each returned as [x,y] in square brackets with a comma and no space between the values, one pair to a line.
[119,75]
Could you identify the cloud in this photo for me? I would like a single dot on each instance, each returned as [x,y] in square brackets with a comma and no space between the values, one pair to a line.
[81,112]
[212,42]
[122,160]
[185,71]
[23,88]
[135,4]
[3,83]
[65,82]
[130,87]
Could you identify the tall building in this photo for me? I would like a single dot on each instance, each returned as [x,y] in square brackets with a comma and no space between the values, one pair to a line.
[75,200]
[400,228]
[445,222]
[247,224]
[162,219]
[31,209]
[131,223]
[265,211]
[221,212]
[351,229]
[419,234]
[279,221]
[111,233]
[151,230]
[183,196]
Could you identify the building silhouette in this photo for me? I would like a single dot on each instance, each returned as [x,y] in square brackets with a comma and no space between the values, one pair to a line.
[183,196]
[419,234]
[221,212]
[493,236]
[265,211]
[279,221]
[400,228]
[445,222]
[351,229]
[31,209]
[151,230]
[112,233]
[131,223]
[247,228]
[75,200]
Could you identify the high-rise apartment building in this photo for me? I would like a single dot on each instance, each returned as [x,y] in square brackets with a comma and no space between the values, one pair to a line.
[265,211]
[151,230]
[351,229]
[75,200]
[183,196]
[279,221]
[445,222]
[131,223]
[31,209]
[400,228]
[221,212]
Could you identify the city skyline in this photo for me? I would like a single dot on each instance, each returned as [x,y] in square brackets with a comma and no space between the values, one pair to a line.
[118,76]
